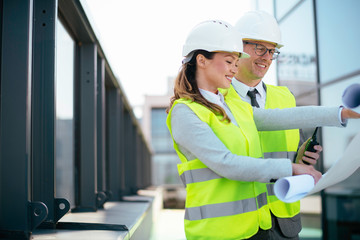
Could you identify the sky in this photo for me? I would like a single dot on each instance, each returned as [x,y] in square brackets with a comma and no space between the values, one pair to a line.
[143,39]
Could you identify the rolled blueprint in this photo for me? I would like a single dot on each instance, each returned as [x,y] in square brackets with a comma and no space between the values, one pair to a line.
[291,189]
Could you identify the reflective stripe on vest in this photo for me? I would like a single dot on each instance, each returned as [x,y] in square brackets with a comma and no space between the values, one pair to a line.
[225,209]
[198,175]
[280,144]
[290,155]
[270,189]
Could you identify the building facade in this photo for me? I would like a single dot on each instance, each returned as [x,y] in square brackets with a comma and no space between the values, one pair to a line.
[164,158]
[317,63]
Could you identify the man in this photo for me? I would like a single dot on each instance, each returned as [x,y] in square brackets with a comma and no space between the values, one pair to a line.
[262,39]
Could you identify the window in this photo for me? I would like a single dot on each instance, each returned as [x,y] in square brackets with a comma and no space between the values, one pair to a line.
[297,60]
[335,140]
[284,6]
[164,160]
[160,136]
[64,115]
[339,38]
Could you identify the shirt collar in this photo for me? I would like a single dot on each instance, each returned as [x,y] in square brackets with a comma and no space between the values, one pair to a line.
[260,89]
[212,97]
[242,88]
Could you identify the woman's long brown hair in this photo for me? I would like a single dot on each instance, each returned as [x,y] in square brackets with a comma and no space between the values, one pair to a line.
[186,86]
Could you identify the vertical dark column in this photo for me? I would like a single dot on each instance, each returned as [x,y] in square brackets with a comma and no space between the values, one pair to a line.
[147,165]
[1,32]
[86,147]
[102,194]
[113,141]
[134,159]
[130,176]
[122,149]
[139,160]
[43,111]
[18,216]
[144,167]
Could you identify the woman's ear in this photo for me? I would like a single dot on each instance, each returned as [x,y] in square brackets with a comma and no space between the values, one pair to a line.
[200,60]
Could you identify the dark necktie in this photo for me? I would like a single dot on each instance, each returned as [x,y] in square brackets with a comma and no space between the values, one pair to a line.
[252,95]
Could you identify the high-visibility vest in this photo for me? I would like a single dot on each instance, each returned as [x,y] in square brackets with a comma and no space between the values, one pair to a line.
[280,144]
[276,144]
[217,207]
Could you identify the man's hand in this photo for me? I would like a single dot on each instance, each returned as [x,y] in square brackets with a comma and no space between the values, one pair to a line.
[310,157]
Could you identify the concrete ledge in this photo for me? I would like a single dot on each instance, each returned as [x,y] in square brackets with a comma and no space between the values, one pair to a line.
[135,212]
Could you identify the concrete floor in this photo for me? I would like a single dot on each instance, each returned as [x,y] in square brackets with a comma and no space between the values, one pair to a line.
[168,223]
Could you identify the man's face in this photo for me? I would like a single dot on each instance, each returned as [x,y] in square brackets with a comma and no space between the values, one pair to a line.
[255,67]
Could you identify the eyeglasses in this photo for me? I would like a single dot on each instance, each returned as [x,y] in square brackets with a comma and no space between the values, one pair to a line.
[261,50]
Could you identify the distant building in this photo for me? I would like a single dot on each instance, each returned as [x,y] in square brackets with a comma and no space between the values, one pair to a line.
[164,159]
[317,63]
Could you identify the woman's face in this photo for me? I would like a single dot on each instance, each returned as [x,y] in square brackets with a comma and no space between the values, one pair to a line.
[219,71]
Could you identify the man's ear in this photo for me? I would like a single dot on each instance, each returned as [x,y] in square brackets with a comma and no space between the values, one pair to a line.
[200,60]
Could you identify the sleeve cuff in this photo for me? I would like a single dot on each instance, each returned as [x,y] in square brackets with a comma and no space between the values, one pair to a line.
[343,123]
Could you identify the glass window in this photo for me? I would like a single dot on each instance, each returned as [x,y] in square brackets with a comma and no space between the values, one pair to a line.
[336,139]
[160,137]
[264,5]
[165,158]
[339,38]
[64,115]
[296,62]
[284,6]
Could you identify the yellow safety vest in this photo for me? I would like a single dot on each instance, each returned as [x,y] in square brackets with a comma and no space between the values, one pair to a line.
[217,207]
[280,144]
[276,144]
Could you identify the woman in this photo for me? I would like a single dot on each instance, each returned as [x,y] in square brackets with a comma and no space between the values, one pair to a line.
[217,139]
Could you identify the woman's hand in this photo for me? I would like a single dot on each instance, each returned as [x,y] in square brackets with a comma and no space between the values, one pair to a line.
[346,113]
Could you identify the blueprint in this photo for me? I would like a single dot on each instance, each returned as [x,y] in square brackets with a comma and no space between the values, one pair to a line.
[291,189]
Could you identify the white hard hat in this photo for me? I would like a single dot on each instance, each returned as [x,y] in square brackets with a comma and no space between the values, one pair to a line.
[213,35]
[259,25]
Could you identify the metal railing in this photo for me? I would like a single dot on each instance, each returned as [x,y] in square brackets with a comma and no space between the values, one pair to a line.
[112,157]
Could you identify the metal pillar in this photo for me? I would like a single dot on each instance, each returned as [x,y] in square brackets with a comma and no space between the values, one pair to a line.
[130,156]
[18,216]
[43,111]
[103,195]
[85,131]
[114,120]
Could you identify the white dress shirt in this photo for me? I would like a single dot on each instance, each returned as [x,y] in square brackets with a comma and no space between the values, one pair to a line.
[242,89]
[219,100]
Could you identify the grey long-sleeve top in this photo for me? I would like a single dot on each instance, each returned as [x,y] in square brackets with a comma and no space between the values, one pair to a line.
[197,140]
